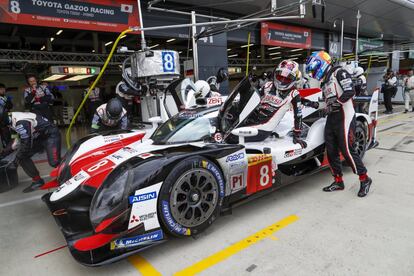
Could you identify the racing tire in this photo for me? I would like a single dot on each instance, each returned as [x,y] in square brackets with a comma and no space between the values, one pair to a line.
[191,197]
[360,142]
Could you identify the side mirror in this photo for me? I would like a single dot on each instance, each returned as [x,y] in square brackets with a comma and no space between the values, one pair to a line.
[155,121]
[244,132]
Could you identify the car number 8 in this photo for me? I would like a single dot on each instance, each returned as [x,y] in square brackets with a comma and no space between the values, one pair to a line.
[264,175]
[97,166]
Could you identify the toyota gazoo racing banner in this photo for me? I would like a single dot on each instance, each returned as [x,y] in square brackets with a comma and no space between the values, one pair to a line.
[273,34]
[93,15]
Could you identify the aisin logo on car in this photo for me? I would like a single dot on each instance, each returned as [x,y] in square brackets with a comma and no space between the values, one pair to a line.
[143,197]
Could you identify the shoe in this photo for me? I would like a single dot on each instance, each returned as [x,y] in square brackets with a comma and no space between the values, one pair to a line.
[365,185]
[335,186]
[406,111]
[34,186]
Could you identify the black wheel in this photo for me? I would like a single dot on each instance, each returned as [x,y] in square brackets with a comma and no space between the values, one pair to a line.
[360,143]
[191,197]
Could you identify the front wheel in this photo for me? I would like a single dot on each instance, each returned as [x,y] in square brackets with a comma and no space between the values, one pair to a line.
[191,197]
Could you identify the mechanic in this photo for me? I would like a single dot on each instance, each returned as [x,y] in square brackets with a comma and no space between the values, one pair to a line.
[338,90]
[282,95]
[7,105]
[360,85]
[109,116]
[94,100]
[215,81]
[38,98]
[389,88]
[33,134]
[409,91]
[128,93]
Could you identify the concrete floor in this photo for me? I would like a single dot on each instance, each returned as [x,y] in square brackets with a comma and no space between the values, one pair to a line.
[335,234]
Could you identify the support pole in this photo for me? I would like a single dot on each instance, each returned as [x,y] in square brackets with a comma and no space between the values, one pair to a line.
[342,38]
[194,41]
[248,54]
[141,25]
[357,36]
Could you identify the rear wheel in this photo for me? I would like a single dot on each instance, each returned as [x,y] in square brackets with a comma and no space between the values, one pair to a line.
[360,143]
[191,196]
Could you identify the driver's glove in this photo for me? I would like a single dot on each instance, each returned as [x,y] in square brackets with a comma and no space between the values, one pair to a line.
[298,140]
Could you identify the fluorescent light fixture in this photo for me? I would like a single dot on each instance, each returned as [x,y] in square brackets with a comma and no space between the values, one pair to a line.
[297,55]
[180,52]
[259,56]
[235,55]
[229,49]
[54,77]
[154,46]
[275,53]
[244,46]
[109,43]
[294,58]
[170,40]
[51,39]
[93,51]
[78,77]
[43,47]
[59,32]
[274,48]
[122,36]
[295,50]
[276,57]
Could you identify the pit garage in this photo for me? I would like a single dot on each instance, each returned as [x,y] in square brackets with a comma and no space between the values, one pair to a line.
[196,183]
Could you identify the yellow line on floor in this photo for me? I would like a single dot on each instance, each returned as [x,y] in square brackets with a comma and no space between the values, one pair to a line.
[143,266]
[237,247]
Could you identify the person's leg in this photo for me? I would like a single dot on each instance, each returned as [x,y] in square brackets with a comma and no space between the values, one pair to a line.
[406,101]
[387,99]
[411,95]
[52,144]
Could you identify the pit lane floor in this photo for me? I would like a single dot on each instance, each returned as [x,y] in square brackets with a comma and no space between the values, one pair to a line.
[327,234]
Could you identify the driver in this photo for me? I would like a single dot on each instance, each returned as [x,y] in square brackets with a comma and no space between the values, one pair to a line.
[282,95]
[215,81]
[109,116]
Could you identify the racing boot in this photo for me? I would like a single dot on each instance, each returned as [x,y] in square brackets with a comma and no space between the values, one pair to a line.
[337,185]
[37,182]
[365,185]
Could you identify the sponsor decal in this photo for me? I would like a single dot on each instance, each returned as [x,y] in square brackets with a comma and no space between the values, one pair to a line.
[144,239]
[260,173]
[235,157]
[142,197]
[271,99]
[291,153]
[145,155]
[171,223]
[218,137]
[236,182]
[111,139]
[188,115]
[214,101]
[212,168]
[260,158]
[129,150]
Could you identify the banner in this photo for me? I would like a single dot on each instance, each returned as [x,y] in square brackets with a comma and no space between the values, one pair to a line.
[273,34]
[92,15]
[368,46]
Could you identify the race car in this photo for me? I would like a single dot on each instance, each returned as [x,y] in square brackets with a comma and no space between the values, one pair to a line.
[191,170]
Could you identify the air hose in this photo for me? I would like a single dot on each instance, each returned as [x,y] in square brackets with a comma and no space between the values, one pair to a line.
[72,122]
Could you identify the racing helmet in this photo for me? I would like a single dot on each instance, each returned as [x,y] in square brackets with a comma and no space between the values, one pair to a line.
[317,64]
[286,75]
[202,88]
[113,112]
[358,71]
[222,75]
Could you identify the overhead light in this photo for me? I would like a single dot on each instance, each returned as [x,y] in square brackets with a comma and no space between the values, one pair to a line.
[170,40]
[153,46]
[93,51]
[275,53]
[244,46]
[348,55]
[51,39]
[180,52]
[54,77]
[259,56]
[43,47]
[235,55]
[59,32]
[297,55]
[294,58]
[109,43]
[276,57]
[274,48]
[122,36]
[229,49]
[295,50]
[78,77]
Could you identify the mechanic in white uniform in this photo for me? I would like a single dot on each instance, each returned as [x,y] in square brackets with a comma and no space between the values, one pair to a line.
[277,100]
[110,116]
[360,85]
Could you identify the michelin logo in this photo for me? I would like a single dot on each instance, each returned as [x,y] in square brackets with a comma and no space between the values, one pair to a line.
[142,197]
[138,240]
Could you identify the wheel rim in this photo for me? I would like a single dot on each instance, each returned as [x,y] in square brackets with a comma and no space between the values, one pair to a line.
[194,197]
[360,142]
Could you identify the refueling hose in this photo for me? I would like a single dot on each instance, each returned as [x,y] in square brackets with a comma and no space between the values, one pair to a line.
[72,122]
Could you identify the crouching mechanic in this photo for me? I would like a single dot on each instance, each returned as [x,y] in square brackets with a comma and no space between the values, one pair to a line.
[338,90]
[33,134]
[273,106]
[109,116]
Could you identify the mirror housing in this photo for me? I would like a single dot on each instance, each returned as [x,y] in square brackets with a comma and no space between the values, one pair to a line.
[244,132]
[155,121]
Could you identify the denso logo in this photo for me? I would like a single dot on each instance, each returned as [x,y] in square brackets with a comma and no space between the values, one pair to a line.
[235,157]
[142,197]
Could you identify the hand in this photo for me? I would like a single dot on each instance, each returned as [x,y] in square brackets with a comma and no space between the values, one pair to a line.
[298,140]
[314,105]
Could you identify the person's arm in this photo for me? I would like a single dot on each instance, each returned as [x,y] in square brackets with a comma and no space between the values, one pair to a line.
[126,89]
[29,96]
[309,103]
[297,113]
[392,81]
[124,122]
[24,132]
[410,83]
[48,97]
[9,103]
[345,81]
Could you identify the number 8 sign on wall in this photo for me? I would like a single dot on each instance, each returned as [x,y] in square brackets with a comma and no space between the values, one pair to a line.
[259,175]
[168,62]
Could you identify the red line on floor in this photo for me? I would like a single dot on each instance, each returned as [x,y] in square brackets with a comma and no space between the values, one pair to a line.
[50,251]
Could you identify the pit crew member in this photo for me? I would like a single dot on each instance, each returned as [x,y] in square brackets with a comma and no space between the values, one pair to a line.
[109,116]
[338,90]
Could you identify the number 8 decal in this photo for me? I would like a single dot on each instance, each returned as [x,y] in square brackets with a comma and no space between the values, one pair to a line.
[97,166]
[168,62]
[264,175]
[14,7]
